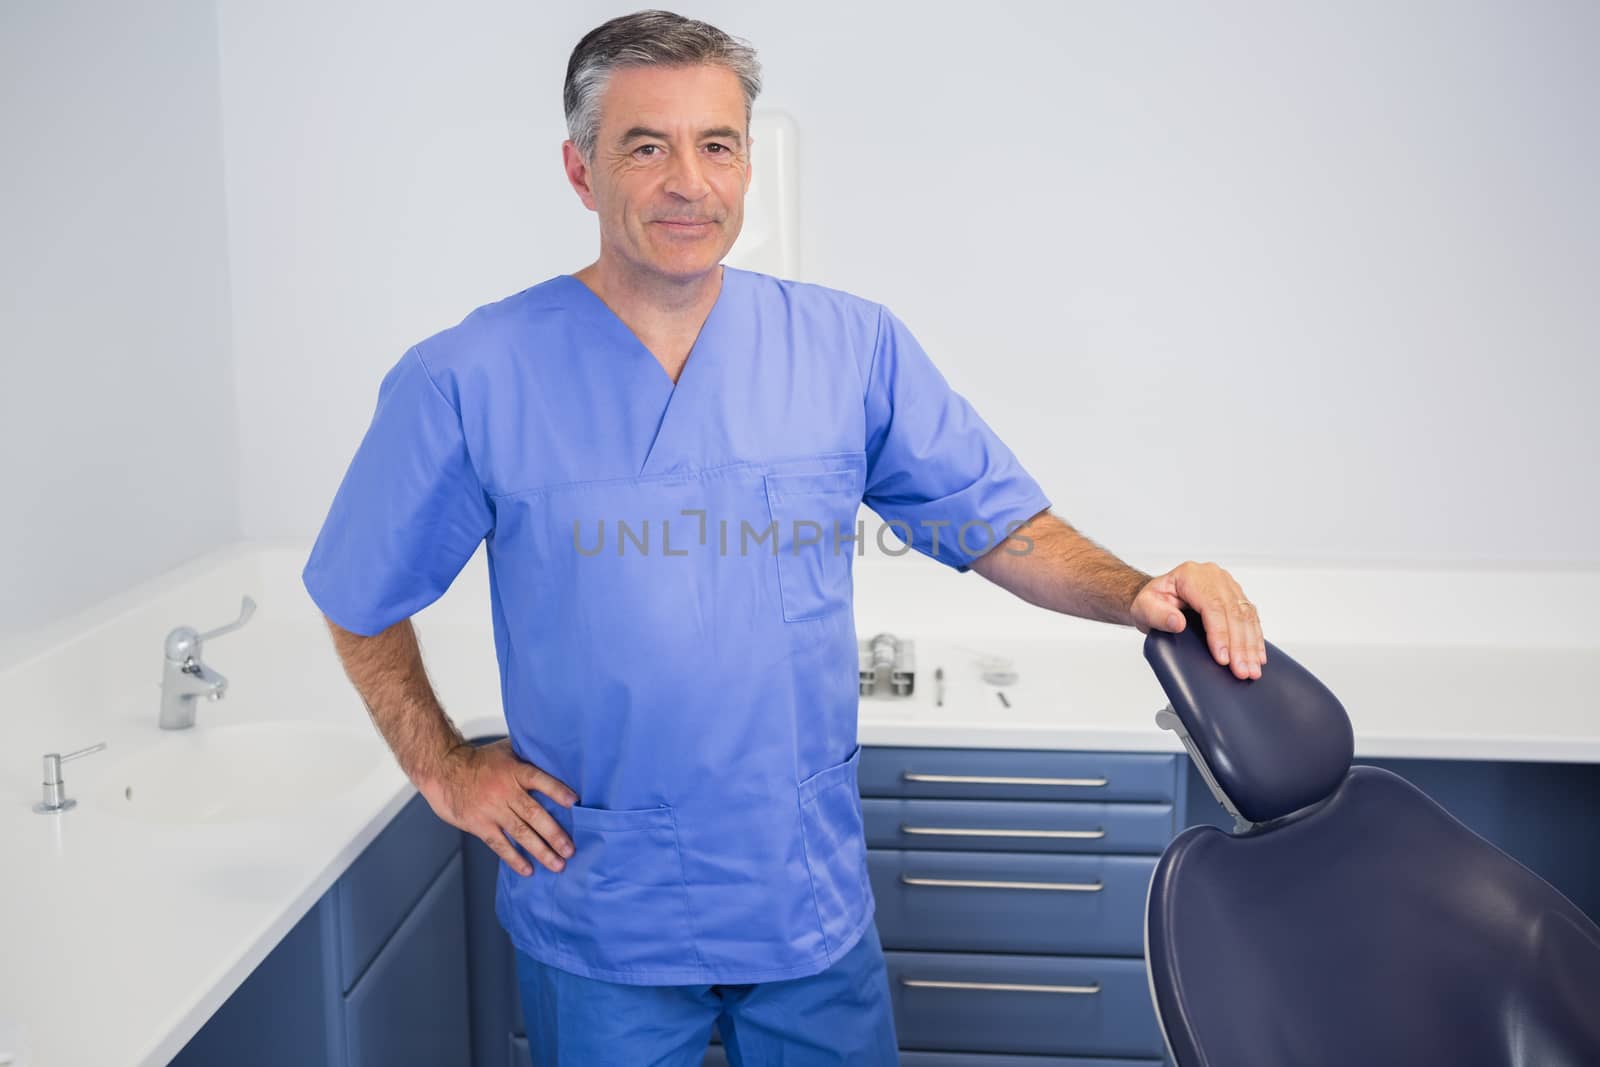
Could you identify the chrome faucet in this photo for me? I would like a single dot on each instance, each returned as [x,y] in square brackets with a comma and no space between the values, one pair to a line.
[184,678]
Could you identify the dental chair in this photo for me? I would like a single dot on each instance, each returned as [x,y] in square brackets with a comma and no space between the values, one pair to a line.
[1348,920]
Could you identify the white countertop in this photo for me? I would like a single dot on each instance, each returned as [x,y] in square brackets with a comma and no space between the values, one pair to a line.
[1413,701]
[122,937]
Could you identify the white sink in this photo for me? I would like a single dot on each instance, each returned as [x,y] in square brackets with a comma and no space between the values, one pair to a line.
[242,773]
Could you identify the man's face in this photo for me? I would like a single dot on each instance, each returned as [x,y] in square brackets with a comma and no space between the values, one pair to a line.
[671,166]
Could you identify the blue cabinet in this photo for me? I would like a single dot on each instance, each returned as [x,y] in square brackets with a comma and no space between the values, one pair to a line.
[1017,774]
[1010,887]
[495,1010]
[1051,1005]
[1010,901]
[1013,825]
[384,884]
[281,1013]
[411,1004]
[376,972]
[1009,884]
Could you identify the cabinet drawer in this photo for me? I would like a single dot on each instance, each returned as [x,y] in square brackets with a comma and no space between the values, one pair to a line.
[1016,825]
[387,880]
[411,1004]
[1011,902]
[1051,1005]
[1016,774]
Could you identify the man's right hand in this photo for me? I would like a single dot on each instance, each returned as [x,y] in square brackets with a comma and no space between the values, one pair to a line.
[484,790]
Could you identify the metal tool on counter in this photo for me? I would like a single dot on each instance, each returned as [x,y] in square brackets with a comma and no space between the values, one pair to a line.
[888,666]
[997,670]
[992,668]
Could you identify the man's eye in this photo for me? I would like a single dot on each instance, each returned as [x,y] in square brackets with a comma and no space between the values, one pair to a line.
[647,147]
[715,145]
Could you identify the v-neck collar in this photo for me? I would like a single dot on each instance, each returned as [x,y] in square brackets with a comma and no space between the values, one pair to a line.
[669,447]
[695,356]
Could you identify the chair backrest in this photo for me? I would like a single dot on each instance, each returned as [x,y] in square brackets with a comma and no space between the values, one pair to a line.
[1349,919]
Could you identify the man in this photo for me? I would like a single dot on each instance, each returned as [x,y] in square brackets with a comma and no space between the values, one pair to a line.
[687,699]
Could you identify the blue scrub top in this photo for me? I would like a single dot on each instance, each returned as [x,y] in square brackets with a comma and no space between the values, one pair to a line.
[670,570]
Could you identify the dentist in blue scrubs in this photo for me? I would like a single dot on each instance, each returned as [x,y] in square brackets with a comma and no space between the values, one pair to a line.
[665,456]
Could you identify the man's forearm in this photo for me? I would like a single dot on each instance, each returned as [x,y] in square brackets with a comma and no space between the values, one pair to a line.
[1064,571]
[387,671]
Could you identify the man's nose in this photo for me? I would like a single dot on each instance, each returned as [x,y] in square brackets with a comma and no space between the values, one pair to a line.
[685,177]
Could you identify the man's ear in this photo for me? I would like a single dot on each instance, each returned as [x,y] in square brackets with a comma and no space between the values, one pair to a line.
[577,172]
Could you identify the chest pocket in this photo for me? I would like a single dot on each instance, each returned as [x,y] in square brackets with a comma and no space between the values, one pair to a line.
[814,514]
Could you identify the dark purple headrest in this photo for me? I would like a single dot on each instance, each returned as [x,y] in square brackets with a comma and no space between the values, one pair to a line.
[1273,744]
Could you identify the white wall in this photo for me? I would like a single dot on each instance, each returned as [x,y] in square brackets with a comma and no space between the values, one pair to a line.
[118,431]
[1261,281]
[1245,281]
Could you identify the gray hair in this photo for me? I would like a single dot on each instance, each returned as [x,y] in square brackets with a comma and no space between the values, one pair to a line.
[647,38]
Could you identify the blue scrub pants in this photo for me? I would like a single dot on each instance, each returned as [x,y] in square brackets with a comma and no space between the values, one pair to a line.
[840,1016]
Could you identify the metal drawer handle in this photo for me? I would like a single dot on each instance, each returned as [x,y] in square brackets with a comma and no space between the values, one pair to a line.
[961,831]
[1003,987]
[972,779]
[963,883]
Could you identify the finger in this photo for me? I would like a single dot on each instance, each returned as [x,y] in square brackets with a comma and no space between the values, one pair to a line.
[531,777]
[534,829]
[501,847]
[1227,635]
[1171,611]
[1215,618]
[1241,645]
[1250,633]
[1242,642]
[1169,607]
[543,824]
[1239,651]
[524,834]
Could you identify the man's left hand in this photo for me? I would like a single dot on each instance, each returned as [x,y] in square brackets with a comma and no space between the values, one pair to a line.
[1233,628]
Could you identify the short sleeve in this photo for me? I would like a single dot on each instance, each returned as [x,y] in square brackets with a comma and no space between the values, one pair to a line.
[936,473]
[408,514]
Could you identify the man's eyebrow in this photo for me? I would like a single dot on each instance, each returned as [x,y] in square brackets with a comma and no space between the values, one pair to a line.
[727,132]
